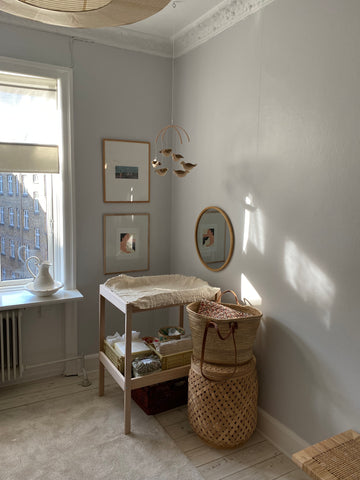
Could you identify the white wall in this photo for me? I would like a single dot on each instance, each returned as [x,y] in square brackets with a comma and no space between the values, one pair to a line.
[117,94]
[272,106]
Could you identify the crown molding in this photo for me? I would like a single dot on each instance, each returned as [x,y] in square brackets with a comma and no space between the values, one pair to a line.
[220,18]
[111,36]
[217,20]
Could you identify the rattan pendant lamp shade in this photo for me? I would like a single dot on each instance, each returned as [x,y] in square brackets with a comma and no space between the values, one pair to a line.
[84,13]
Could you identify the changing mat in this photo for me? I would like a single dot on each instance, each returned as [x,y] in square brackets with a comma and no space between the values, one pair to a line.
[160,290]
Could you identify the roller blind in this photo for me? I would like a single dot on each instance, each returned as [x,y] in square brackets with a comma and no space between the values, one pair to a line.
[29,124]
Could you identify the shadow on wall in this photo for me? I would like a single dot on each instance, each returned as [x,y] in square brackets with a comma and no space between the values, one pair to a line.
[285,268]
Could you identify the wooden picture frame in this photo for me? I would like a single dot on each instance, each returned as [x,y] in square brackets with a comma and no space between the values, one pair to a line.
[126,171]
[126,242]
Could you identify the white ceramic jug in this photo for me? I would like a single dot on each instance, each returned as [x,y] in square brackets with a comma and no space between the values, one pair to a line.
[43,280]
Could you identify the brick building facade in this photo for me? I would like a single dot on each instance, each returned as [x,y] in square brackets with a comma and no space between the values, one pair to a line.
[23,222]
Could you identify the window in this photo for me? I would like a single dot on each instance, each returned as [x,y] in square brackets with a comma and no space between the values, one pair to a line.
[37,238]
[26,219]
[12,249]
[1,185]
[3,246]
[11,216]
[10,184]
[36,164]
[36,203]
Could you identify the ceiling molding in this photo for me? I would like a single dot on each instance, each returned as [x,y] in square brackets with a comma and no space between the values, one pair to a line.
[111,36]
[220,18]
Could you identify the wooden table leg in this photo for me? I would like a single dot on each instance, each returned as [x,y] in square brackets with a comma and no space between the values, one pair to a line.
[181,316]
[101,345]
[127,371]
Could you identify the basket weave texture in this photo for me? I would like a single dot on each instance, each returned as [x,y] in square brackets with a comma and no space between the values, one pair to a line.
[174,359]
[223,414]
[118,360]
[221,352]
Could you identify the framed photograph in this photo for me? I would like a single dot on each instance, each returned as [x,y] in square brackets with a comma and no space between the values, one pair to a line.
[126,242]
[211,235]
[126,171]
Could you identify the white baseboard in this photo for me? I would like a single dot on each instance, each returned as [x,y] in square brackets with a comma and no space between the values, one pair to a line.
[287,441]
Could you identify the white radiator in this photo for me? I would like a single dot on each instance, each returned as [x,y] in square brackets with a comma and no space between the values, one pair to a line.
[10,345]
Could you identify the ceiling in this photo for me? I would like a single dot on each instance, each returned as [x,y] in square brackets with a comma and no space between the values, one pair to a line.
[170,32]
[170,21]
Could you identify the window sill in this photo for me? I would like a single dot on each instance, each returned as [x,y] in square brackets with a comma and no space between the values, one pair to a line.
[21,298]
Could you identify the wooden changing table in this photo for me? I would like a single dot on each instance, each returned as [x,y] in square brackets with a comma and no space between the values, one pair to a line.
[125,381]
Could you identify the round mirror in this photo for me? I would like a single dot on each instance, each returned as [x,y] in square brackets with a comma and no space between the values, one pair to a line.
[214,238]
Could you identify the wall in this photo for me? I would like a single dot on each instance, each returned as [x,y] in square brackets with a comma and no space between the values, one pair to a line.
[117,94]
[272,107]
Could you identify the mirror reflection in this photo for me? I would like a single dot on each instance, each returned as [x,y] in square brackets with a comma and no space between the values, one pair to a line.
[214,238]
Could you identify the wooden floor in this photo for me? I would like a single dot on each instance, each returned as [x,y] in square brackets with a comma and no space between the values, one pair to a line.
[258,459]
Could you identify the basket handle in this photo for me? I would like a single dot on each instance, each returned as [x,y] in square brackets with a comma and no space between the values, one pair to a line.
[210,324]
[238,302]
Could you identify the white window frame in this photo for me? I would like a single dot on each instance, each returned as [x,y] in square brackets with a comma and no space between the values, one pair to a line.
[2,216]
[12,249]
[2,242]
[26,219]
[10,182]
[63,225]
[37,238]
[1,185]
[11,217]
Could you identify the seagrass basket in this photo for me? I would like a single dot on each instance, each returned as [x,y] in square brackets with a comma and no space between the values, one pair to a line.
[223,413]
[223,352]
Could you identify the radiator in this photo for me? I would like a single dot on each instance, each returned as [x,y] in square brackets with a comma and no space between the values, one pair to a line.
[10,345]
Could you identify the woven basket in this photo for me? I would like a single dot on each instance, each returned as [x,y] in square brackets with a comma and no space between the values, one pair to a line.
[173,360]
[119,360]
[223,414]
[216,350]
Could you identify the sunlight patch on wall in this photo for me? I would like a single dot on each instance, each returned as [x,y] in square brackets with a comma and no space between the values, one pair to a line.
[308,280]
[253,226]
[249,292]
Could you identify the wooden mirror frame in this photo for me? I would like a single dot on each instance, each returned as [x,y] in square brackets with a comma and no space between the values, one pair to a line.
[231,233]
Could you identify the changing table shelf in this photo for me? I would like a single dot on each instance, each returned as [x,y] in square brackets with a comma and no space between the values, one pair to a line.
[128,308]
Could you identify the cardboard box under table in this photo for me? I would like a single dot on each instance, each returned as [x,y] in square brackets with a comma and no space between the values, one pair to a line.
[138,294]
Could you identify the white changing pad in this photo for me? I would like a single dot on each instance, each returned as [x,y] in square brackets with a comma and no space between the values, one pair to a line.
[160,290]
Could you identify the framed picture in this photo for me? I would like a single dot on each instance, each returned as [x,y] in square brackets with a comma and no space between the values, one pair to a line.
[126,171]
[211,237]
[126,242]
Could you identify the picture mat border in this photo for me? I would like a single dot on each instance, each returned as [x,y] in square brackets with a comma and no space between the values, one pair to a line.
[107,178]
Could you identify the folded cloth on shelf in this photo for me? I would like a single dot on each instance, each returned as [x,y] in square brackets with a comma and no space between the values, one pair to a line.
[135,347]
[160,290]
[175,346]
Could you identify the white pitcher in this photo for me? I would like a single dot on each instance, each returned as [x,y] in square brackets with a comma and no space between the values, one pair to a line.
[43,280]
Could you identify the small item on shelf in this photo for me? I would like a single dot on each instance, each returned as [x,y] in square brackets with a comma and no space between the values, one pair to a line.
[170,333]
[151,340]
[118,338]
[174,346]
[144,366]
[136,347]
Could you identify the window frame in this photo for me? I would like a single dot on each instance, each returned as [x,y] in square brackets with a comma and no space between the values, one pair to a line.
[62,226]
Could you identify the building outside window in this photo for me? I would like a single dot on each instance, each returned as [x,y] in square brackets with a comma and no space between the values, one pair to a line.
[1,185]
[3,246]
[12,249]
[10,184]
[37,238]
[11,217]
[26,219]
[35,112]
[36,202]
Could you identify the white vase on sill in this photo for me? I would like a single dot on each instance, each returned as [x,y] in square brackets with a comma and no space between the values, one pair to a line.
[43,284]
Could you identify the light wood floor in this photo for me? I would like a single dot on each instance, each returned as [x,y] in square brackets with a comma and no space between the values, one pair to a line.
[258,459]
